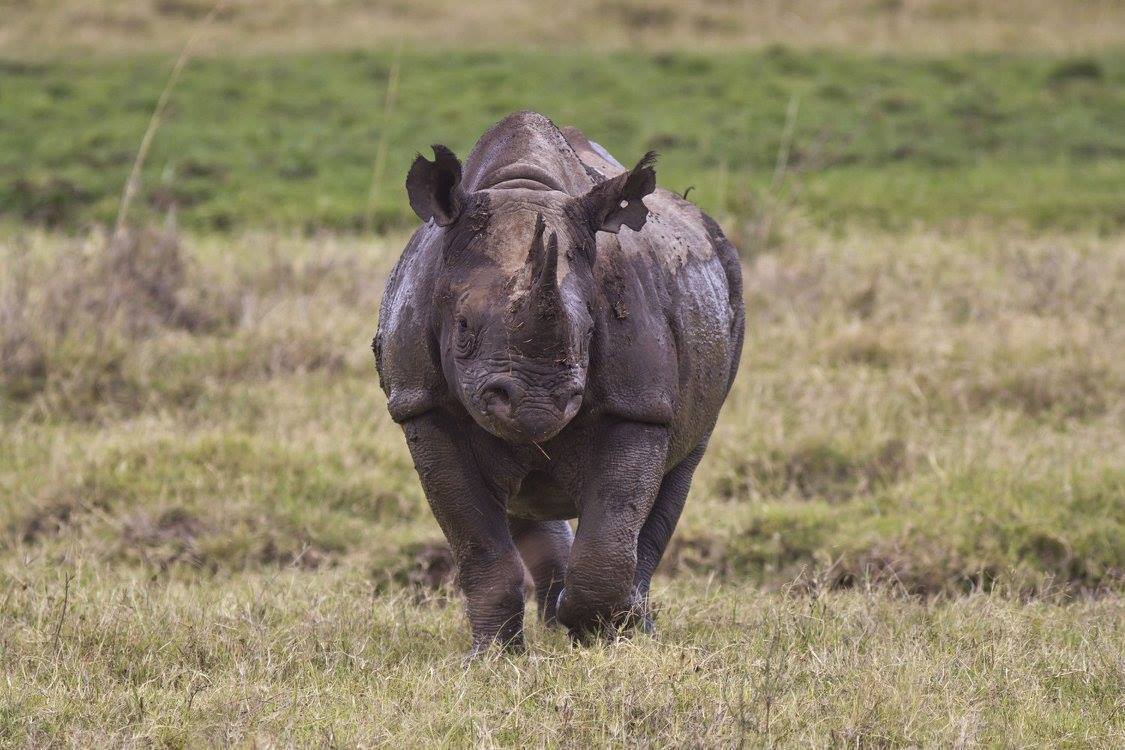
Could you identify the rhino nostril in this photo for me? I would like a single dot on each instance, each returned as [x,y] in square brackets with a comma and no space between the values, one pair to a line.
[498,392]
[497,396]
[566,399]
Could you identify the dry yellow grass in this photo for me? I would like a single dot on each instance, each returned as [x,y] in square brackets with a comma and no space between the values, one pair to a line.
[112,27]
[210,531]
[298,659]
[895,390]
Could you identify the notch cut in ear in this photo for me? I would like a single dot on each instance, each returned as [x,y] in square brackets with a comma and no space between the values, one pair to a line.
[617,201]
[434,187]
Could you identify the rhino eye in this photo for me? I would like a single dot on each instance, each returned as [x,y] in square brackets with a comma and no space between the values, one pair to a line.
[465,340]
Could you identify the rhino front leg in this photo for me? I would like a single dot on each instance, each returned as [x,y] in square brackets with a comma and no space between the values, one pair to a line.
[661,523]
[474,521]
[544,547]
[619,494]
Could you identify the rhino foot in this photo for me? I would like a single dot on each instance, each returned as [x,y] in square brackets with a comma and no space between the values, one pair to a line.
[593,624]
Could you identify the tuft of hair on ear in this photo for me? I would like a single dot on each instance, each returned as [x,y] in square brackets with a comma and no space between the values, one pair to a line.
[618,201]
[646,164]
[447,162]
[642,178]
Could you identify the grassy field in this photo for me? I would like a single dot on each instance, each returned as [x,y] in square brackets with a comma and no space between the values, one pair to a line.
[290,141]
[212,532]
[910,526]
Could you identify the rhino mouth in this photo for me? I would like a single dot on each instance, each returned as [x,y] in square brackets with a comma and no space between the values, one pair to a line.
[530,426]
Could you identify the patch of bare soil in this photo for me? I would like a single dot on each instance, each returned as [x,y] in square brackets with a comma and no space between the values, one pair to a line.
[47,521]
[306,555]
[817,471]
[925,569]
[165,539]
[424,568]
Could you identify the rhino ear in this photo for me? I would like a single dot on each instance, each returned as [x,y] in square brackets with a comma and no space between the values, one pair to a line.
[434,187]
[617,201]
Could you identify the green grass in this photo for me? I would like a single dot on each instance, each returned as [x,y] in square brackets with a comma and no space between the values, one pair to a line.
[289,141]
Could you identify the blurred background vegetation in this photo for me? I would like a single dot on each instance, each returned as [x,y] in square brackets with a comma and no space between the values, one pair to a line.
[279,124]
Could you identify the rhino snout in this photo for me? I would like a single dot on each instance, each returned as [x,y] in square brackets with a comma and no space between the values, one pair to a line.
[514,412]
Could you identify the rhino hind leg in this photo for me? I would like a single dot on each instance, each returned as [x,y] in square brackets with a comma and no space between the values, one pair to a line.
[660,524]
[544,547]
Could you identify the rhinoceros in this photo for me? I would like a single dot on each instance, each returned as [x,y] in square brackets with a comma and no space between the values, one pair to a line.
[556,342]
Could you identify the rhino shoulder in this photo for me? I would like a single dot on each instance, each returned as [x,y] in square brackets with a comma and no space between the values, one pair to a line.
[404,345]
[672,325]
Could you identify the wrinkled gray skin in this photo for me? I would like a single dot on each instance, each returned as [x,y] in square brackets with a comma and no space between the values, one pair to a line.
[555,347]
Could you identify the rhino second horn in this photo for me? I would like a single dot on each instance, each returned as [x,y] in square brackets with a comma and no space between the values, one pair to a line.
[548,274]
[543,259]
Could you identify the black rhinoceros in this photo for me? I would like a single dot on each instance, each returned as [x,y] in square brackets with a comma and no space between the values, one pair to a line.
[556,341]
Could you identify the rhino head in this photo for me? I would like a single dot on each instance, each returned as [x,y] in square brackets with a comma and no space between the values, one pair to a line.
[515,294]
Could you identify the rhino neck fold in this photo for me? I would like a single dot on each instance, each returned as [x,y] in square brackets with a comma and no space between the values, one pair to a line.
[525,150]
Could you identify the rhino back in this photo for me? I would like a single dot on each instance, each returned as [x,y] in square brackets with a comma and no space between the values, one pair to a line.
[671,321]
